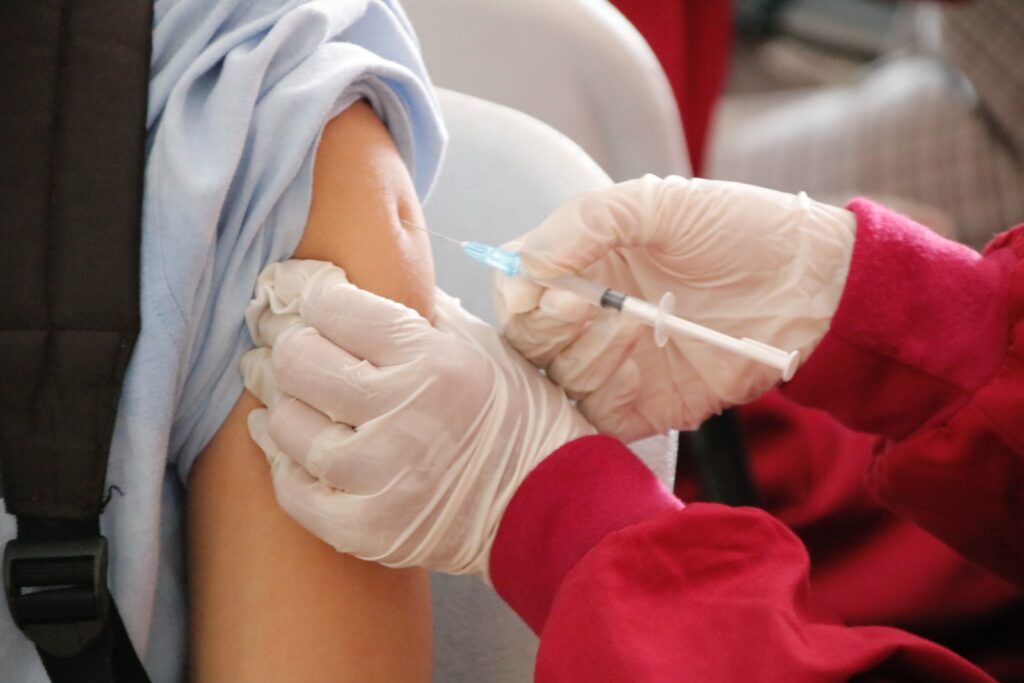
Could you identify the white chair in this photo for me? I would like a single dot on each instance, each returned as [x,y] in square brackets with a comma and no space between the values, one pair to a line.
[504,171]
[577,65]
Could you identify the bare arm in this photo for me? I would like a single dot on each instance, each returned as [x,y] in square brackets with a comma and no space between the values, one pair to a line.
[268,601]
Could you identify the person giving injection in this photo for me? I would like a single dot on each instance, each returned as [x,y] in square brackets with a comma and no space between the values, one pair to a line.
[436,444]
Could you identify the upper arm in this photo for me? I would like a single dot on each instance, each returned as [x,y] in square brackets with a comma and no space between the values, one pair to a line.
[362,193]
[268,601]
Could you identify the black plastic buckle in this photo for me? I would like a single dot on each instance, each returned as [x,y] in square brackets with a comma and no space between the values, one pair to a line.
[57,592]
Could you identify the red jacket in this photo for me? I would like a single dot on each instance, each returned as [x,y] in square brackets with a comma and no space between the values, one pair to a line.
[869,565]
[627,584]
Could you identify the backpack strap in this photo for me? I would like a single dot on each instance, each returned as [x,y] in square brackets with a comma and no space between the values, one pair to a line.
[74,79]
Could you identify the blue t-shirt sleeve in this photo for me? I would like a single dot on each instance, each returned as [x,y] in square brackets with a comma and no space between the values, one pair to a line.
[240,93]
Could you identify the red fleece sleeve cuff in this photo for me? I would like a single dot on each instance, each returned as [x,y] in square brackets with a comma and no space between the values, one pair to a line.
[920,326]
[578,495]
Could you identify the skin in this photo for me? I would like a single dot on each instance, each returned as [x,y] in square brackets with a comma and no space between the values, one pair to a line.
[269,601]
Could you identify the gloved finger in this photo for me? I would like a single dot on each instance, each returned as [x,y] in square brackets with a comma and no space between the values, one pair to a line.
[566,306]
[258,374]
[365,526]
[515,295]
[595,355]
[258,422]
[542,332]
[330,451]
[275,304]
[612,407]
[333,381]
[450,316]
[367,326]
[269,325]
[325,511]
[540,337]
[586,228]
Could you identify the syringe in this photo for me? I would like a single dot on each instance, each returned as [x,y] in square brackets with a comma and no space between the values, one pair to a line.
[659,317]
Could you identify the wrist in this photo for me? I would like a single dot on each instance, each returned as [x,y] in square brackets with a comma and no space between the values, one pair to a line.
[575,497]
[921,324]
[824,251]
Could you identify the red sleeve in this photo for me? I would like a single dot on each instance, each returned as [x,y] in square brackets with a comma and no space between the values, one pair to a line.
[623,583]
[693,40]
[927,350]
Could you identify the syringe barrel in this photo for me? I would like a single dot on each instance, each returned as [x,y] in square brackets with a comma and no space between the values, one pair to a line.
[663,322]
[785,362]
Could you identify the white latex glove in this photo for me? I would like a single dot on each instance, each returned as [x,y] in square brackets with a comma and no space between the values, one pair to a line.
[392,439]
[743,260]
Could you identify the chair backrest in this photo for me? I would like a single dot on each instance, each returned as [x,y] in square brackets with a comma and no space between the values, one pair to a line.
[503,173]
[577,65]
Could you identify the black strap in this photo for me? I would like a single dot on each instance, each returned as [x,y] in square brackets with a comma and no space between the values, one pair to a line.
[110,657]
[74,77]
[55,572]
[717,454]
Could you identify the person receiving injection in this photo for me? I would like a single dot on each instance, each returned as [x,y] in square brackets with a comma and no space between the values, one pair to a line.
[899,332]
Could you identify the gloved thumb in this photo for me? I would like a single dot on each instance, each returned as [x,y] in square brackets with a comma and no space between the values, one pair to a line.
[586,228]
[258,374]
[367,326]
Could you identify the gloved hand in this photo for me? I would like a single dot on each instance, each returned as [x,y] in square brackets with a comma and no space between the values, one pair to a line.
[743,260]
[392,439]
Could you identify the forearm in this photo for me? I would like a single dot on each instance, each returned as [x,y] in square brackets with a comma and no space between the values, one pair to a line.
[269,601]
[363,203]
[627,585]
[926,350]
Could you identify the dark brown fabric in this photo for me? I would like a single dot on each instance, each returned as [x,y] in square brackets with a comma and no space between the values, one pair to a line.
[74,79]
[73,85]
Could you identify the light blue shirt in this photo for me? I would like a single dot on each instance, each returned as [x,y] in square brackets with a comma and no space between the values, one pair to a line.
[240,91]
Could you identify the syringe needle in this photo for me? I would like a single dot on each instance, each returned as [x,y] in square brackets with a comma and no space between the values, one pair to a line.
[435,234]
